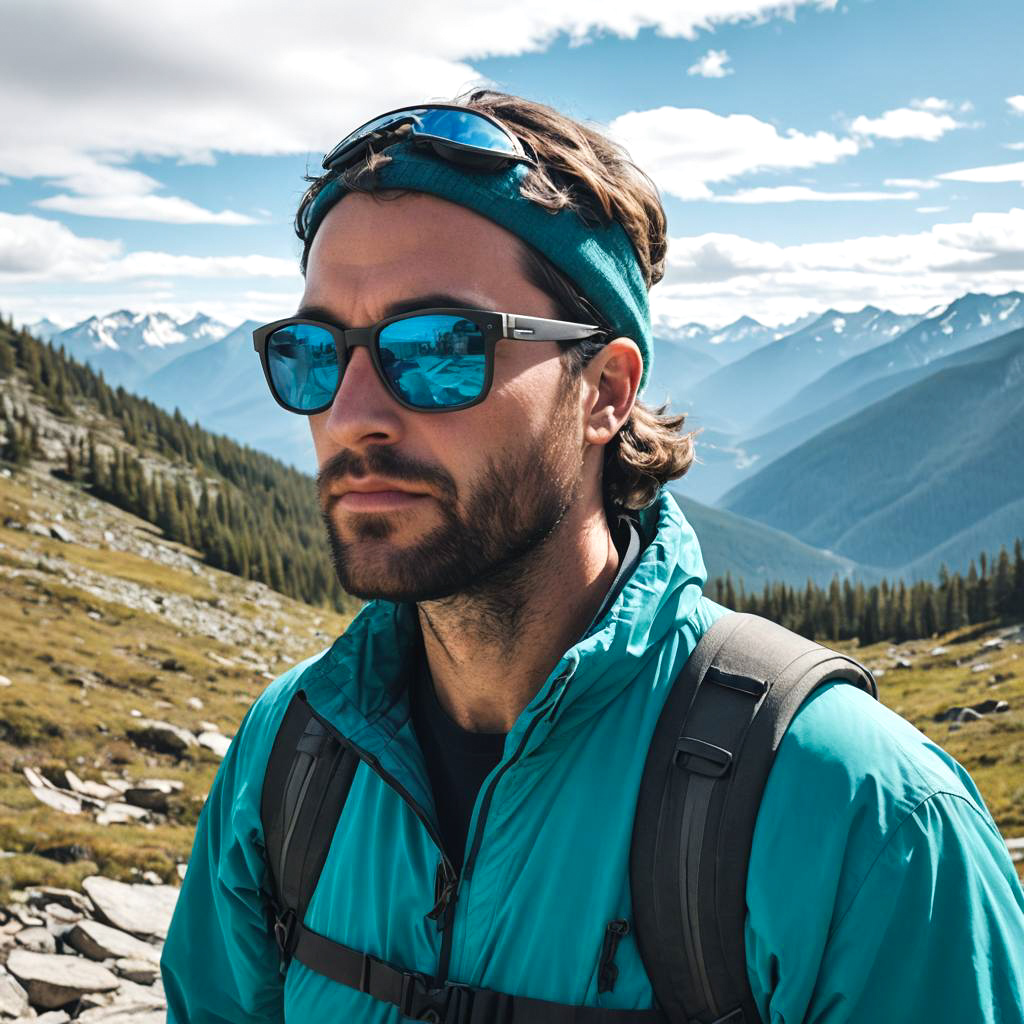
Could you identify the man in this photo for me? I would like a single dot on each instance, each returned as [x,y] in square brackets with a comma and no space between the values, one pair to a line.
[532,594]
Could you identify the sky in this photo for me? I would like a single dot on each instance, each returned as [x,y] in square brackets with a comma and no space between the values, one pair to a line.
[810,155]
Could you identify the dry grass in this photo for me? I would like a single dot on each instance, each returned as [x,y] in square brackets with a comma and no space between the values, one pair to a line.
[80,664]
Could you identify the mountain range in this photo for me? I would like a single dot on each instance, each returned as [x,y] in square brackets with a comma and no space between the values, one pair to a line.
[129,346]
[739,394]
[903,482]
[865,442]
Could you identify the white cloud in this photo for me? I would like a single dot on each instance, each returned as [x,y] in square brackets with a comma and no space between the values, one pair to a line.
[101,189]
[1016,104]
[799,193]
[34,249]
[167,209]
[31,246]
[995,174]
[273,79]
[932,103]
[711,65]
[713,278]
[111,85]
[905,123]
[931,209]
[911,183]
[686,148]
[1015,145]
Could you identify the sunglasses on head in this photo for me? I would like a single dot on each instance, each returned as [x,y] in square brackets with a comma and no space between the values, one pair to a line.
[459,134]
[431,360]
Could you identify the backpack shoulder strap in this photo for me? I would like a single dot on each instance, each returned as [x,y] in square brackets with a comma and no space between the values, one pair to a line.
[705,773]
[305,787]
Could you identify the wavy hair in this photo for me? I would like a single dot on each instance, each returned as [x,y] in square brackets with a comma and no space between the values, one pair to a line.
[578,168]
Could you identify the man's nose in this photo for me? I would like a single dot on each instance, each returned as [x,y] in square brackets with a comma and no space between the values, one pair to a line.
[363,411]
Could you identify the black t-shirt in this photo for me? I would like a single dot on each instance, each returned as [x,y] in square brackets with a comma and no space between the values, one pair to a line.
[459,760]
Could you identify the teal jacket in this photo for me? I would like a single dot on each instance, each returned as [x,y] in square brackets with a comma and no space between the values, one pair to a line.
[879,889]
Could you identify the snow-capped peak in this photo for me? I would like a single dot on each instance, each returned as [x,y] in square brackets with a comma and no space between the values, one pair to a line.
[135,333]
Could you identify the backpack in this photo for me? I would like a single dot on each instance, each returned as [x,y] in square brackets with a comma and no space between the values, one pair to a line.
[705,773]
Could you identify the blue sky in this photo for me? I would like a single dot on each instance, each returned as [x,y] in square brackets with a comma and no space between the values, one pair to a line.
[810,154]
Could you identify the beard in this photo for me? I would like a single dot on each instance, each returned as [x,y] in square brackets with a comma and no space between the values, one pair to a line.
[484,544]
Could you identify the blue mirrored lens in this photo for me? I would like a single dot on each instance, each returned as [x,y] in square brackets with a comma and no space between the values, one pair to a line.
[462,126]
[465,128]
[303,365]
[435,361]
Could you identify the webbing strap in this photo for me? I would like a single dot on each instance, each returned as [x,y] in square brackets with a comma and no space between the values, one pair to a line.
[452,1003]
[706,770]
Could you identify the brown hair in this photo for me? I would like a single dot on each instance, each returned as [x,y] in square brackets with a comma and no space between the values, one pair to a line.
[579,169]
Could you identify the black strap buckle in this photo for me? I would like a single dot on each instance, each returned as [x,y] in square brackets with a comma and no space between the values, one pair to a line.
[702,758]
[414,994]
[450,1004]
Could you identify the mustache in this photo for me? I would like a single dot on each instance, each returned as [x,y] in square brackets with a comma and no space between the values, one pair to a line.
[380,462]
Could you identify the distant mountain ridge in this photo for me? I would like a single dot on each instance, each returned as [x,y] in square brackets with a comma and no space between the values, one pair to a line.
[128,346]
[898,481]
[967,321]
[733,341]
[742,392]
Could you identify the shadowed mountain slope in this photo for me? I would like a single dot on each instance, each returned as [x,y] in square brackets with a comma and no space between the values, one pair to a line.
[899,479]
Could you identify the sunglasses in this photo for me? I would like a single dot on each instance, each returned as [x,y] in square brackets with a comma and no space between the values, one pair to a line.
[432,360]
[463,136]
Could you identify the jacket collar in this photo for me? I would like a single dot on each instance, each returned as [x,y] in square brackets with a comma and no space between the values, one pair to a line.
[361,682]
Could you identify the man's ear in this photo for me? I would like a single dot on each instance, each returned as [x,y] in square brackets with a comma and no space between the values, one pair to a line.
[611,380]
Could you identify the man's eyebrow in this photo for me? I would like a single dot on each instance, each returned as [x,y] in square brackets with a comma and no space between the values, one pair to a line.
[435,301]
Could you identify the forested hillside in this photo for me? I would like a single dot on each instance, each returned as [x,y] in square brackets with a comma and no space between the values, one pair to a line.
[247,513]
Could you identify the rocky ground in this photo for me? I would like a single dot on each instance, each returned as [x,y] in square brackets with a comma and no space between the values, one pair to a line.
[91,956]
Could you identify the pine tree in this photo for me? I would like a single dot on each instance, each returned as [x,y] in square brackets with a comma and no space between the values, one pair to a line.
[16,448]
[8,363]
[1002,584]
[1018,578]
[835,611]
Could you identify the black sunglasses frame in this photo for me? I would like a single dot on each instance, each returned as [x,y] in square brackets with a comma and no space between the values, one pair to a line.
[495,327]
[350,148]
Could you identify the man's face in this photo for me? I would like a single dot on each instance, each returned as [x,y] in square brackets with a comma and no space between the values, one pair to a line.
[495,479]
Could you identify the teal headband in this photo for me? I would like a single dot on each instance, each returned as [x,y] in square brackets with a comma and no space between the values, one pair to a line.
[600,261]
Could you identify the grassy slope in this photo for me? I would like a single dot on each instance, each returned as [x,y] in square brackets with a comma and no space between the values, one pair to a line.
[991,749]
[79,660]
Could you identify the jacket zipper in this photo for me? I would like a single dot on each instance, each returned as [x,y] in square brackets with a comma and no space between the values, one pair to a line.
[467,869]
[607,970]
[446,880]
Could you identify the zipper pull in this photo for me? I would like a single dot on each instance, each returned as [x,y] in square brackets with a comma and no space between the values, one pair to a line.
[607,971]
[445,883]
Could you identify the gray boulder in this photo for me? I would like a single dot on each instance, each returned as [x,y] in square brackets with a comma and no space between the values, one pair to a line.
[142,972]
[51,979]
[65,897]
[162,737]
[215,741]
[38,939]
[143,910]
[101,942]
[121,814]
[972,713]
